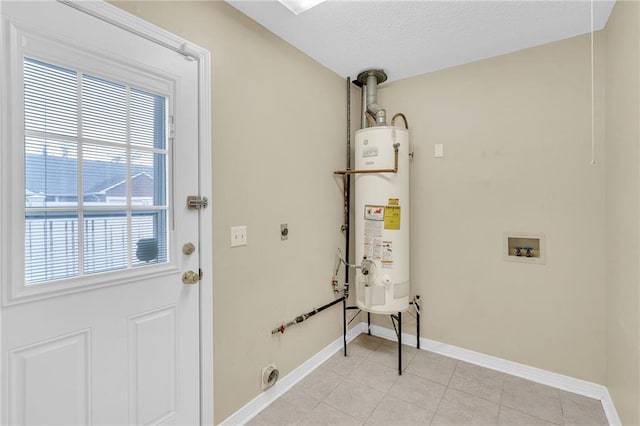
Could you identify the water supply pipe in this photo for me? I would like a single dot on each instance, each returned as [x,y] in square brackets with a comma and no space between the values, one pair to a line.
[304,317]
[396,148]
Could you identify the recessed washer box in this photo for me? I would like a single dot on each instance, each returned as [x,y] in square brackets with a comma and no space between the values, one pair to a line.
[524,247]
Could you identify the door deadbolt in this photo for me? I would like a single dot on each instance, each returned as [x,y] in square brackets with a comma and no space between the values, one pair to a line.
[190,277]
[188,248]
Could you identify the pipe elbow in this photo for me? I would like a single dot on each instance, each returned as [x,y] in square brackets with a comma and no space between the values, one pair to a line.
[373,108]
[378,113]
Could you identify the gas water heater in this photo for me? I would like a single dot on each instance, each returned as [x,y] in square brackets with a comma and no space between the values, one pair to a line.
[382,219]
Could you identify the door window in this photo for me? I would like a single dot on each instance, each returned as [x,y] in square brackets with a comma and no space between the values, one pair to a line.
[96,171]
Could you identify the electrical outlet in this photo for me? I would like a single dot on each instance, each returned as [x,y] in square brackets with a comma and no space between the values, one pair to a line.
[238,236]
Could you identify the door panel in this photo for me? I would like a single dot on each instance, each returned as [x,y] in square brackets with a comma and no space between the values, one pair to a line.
[117,344]
[60,394]
[152,366]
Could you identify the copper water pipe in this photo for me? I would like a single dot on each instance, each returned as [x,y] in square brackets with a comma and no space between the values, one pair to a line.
[396,147]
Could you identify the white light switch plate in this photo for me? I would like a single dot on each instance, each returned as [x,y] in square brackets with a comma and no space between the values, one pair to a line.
[238,236]
[438,150]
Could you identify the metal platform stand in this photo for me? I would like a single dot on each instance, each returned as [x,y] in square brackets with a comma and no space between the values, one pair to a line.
[396,319]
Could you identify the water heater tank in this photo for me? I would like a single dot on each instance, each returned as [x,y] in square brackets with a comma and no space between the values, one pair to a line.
[382,220]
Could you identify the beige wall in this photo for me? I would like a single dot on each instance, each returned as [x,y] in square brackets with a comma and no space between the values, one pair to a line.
[623,209]
[517,138]
[516,131]
[278,134]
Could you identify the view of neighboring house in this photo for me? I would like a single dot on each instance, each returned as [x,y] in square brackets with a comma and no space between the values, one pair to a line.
[104,182]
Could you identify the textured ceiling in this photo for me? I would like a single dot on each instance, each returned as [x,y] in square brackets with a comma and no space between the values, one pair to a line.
[407,38]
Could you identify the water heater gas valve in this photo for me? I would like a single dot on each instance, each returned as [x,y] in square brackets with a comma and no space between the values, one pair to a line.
[366,266]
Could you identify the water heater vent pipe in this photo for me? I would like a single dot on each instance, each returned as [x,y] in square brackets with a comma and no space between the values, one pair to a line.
[369,81]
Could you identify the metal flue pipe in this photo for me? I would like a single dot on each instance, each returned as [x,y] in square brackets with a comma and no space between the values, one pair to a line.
[369,81]
[379,114]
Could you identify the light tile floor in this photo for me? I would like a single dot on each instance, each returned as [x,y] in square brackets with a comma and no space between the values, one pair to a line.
[365,389]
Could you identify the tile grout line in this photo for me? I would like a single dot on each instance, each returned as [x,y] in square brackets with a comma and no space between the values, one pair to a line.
[562,409]
[446,388]
[385,393]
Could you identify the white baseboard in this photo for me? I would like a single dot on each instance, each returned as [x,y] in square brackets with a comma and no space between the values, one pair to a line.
[559,381]
[260,402]
[610,410]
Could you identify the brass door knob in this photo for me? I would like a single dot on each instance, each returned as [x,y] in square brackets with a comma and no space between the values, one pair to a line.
[190,277]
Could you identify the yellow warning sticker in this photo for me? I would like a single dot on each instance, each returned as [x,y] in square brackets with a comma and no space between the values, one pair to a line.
[394,202]
[392,217]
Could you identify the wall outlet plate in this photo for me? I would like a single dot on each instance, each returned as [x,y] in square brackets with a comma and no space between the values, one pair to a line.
[438,150]
[238,236]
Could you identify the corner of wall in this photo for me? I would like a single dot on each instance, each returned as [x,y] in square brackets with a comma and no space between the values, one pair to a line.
[623,208]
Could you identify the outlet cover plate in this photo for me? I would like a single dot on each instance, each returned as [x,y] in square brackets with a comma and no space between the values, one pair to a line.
[238,236]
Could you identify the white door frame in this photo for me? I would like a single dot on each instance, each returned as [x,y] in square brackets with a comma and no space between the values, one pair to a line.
[133,24]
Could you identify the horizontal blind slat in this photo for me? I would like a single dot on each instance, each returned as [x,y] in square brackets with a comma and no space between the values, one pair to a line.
[50,95]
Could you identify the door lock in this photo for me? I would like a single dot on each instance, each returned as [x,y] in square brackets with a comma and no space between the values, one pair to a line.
[195,202]
[190,277]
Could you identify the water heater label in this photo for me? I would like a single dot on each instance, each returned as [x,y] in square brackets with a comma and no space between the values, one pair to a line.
[370,151]
[387,254]
[373,224]
[392,217]
[374,213]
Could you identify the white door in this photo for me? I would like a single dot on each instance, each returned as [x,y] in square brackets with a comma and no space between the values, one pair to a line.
[99,142]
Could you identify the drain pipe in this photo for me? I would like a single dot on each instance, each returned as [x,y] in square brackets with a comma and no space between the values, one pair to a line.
[369,81]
